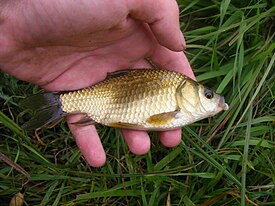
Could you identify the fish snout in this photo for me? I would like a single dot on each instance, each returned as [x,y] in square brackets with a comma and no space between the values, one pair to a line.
[222,104]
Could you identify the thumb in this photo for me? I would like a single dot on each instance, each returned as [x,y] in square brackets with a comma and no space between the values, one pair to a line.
[163,19]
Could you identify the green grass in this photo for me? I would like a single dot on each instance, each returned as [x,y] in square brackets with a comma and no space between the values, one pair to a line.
[225,160]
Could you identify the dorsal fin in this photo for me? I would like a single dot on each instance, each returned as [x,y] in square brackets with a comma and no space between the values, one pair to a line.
[118,73]
[150,61]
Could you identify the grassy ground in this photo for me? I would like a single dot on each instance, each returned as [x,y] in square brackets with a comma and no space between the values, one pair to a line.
[225,160]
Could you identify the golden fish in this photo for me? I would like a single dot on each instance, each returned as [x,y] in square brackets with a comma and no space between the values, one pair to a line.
[140,99]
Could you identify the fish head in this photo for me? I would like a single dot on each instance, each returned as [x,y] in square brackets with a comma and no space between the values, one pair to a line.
[210,101]
[199,101]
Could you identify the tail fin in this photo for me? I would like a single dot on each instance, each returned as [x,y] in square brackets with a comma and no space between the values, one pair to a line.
[47,107]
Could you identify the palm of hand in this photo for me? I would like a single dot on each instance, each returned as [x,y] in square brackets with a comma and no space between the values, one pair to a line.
[76,55]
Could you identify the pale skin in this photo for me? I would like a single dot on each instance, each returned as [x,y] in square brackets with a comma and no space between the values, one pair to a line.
[67,45]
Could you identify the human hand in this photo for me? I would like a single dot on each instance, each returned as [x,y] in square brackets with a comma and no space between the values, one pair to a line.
[67,45]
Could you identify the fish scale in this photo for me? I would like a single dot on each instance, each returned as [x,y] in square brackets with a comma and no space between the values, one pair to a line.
[138,98]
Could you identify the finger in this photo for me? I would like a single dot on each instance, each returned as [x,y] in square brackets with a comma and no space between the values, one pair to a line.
[88,142]
[163,19]
[170,138]
[137,141]
[143,63]
[176,61]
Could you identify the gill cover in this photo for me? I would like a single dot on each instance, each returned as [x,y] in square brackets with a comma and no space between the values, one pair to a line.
[187,94]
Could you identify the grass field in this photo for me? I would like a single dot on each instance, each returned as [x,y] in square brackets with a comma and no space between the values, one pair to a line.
[225,160]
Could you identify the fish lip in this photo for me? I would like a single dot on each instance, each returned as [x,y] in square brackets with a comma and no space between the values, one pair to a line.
[222,104]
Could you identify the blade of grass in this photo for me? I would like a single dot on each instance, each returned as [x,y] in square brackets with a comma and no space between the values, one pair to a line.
[59,195]
[49,193]
[202,154]
[245,91]
[270,66]
[167,159]
[245,157]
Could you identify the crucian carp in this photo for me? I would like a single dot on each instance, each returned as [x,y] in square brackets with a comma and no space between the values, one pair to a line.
[139,99]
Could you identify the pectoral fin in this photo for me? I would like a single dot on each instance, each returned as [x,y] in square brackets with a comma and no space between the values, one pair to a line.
[162,118]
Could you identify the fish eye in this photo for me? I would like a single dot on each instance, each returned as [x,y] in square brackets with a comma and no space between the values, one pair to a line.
[208,93]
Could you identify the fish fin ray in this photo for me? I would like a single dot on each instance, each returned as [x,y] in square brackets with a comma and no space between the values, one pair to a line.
[54,123]
[118,73]
[162,118]
[47,107]
[150,61]
[126,125]
[85,121]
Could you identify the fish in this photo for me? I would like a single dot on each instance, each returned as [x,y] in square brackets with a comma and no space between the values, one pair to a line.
[139,99]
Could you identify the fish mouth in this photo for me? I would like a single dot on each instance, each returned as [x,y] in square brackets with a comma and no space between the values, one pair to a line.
[222,104]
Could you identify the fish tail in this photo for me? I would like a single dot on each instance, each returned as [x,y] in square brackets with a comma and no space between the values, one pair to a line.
[47,108]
